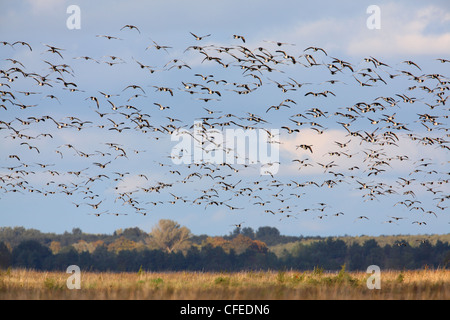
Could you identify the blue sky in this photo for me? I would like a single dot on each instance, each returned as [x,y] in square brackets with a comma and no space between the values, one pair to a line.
[410,31]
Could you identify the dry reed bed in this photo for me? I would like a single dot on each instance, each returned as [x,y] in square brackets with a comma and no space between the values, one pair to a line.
[264,285]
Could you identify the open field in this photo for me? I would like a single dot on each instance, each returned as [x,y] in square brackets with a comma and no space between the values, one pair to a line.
[317,284]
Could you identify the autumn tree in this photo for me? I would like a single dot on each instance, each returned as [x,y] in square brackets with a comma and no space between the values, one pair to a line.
[83,246]
[219,242]
[55,247]
[242,243]
[169,236]
[122,243]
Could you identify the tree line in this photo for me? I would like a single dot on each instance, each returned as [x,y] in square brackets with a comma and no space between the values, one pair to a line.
[171,247]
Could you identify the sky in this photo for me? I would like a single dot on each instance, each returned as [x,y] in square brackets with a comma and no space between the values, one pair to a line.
[406,31]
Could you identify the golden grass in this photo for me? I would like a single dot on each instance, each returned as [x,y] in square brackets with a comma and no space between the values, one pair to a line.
[266,285]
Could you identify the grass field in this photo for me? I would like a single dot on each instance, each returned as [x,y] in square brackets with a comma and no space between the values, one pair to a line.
[264,285]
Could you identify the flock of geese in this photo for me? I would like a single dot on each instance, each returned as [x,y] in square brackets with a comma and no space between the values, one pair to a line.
[298,91]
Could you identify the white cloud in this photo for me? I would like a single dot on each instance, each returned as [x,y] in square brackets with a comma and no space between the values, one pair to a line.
[40,7]
[403,32]
[324,147]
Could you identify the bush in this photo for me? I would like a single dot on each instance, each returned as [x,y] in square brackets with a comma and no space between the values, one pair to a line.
[222,281]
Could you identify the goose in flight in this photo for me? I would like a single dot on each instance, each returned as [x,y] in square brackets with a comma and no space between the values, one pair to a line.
[401,244]
[131,27]
[239,225]
[277,107]
[164,89]
[95,206]
[161,107]
[23,43]
[305,147]
[99,214]
[158,47]
[100,165]
[315,94]
[106,95]
[14,61]
[54,50]
[86,58]
[30,146]
[134,86]
[236,36]
[94,99]
[362,84]
[143,66]
[233,208]
[279,44]
[108,37]
[289,130]
[315,49]
[204,77]
[14,156]
[411,63]
[198,38]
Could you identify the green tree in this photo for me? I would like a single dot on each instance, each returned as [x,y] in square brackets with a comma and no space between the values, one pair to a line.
[64,258]
[127,260]
[269,235]
[215,259]
[373,254]
[103,260]
[77,231]
[5,256]
[248,232]
[31,254]
[134,234]
[355,253]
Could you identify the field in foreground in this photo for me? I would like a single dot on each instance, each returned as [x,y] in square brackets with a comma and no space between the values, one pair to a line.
[264,285]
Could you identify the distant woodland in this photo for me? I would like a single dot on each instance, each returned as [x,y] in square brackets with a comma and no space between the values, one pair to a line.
[171,247]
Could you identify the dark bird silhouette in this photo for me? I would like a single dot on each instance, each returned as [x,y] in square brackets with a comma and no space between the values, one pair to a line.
[23,44]
[131,27]
[198,38]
